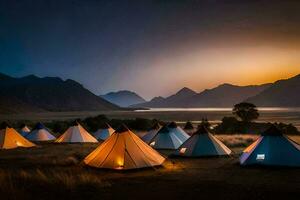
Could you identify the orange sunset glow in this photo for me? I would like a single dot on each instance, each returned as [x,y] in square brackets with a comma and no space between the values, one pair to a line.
[207,68]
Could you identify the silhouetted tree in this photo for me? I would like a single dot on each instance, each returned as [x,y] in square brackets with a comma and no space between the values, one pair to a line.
[247,112]
[205,122]
[188,126]
[94,123]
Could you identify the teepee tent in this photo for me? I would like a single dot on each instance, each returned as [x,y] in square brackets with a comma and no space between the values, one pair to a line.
[272,148]
[76,133]
[189,128]
[169,137]
[24,130]
[124,150]
[202,143]
[40,133]
[104,132]
[10,138]
[151,133]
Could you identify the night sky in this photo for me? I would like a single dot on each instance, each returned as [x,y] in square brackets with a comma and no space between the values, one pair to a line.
[151,47]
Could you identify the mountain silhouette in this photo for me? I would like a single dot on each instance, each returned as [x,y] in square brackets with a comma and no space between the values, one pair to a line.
[34,94]
[123,98]
[176,100]
[282,93]
[225,95]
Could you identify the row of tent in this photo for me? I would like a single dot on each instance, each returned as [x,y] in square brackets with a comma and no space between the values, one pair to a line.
[121,150]
[173,137]
[74,134]
[125,150]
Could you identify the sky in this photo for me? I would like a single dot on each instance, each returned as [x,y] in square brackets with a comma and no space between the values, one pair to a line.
[152,47]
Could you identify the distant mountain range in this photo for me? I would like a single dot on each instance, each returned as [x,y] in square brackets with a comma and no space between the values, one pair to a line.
[123,98]
[284,93]
[34,94]
[173,101]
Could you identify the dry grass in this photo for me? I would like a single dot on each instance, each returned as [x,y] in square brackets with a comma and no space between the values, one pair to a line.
[237,140]
[55,171]
[24,184]
[24,173]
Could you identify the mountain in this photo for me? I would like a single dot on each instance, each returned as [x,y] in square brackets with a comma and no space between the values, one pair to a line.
[175,100]
[34,94]
[123,98]
[225,95]
[282,93]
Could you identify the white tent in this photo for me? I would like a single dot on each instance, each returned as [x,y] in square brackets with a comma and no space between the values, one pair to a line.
[272,148]
[40,133]
[10,138]
[76,133]
[151,133]
[169,137]
[104,132]
[24,130]
[124,150]
[202,143]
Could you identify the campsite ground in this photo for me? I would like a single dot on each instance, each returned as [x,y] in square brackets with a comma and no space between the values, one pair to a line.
[55,171]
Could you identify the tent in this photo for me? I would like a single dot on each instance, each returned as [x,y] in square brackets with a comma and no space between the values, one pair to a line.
[24,130]
[272,148]
[202,143]
[40,133]
[10,138]
[76,133]
[124,150]
[151,133]
[189,128]
[169,137]
[104,132]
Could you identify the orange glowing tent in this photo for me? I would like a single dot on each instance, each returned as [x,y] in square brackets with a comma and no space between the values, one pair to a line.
[124,150]
[10,138]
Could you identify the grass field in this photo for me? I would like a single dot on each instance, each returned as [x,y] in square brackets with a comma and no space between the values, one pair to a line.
[55,171]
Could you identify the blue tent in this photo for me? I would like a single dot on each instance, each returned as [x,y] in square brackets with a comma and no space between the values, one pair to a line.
[151,133]
[202,143]
[169,137]
[40,133]
[272,148]
[104,132]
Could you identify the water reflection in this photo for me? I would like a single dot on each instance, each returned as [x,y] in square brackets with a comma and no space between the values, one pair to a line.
[272,109]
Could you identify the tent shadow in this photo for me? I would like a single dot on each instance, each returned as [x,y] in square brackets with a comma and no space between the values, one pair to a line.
[121,171]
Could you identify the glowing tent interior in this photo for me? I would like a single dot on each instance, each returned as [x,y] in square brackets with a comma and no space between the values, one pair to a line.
[40,133]
[104,132]
[272,148]
[169,137]
[124,150]
[202,143]
[10,138]
[76,133]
